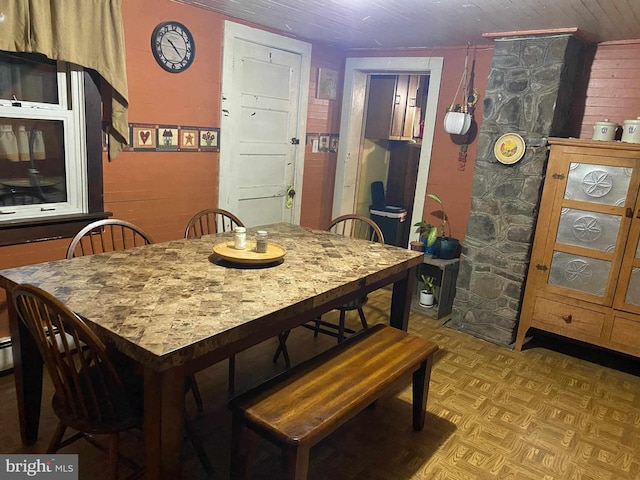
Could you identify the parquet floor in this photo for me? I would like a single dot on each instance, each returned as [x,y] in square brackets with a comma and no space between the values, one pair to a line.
[493,413]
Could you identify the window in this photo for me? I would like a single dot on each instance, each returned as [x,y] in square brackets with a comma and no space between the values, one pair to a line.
[43,154]
[60,109]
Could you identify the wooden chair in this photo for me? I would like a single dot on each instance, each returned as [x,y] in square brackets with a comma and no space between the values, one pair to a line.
[114,235]
[354,226]
[107,236]
[210,221]
[91,395]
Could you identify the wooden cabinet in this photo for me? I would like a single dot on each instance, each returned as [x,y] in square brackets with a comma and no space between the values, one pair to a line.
[584,275]
[391,108]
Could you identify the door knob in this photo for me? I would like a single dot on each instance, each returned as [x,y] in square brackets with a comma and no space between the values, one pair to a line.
[290,194]
[567,318]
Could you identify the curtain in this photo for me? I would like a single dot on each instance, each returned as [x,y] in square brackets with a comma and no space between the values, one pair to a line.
[85,32]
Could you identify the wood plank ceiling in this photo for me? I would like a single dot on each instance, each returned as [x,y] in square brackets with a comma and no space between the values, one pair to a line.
[350,24]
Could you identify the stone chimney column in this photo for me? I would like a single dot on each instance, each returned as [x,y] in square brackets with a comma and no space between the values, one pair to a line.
[529,91]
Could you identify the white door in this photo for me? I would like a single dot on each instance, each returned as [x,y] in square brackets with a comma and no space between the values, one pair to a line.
[264,99]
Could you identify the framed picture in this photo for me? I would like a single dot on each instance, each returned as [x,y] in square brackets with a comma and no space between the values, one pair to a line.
[327,84]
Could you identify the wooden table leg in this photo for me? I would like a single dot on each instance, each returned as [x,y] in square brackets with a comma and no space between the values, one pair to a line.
[163,423]
[401,300]
[27,369]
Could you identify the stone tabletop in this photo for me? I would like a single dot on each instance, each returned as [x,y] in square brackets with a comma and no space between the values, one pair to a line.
[167,303]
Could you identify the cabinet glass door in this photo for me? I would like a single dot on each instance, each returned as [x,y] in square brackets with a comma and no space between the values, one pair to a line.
[633,290]
[590,227]
[628,293]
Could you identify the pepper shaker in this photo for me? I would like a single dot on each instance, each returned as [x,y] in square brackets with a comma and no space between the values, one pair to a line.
[261,241]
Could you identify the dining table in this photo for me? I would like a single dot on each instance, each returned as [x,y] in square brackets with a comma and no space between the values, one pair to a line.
[177,307]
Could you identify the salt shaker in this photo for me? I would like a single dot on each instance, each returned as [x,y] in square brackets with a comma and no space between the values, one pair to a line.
[240,238]
[261,241]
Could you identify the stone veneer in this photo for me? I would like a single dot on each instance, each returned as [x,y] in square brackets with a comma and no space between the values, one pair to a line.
[529,91]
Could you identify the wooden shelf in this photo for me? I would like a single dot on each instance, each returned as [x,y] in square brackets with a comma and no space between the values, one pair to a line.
[445,273]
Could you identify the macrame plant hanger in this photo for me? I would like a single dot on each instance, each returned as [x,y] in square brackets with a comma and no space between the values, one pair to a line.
[468,104]
[462,106]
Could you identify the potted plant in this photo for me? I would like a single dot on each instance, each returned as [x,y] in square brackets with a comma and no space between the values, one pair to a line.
[427,298]
[428,235]
[445,247]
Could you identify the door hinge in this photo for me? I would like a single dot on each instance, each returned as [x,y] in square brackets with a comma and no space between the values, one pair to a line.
[558,176]
[295,141]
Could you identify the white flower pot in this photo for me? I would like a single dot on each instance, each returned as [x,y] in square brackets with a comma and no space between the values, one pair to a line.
[457,123]
[426,299]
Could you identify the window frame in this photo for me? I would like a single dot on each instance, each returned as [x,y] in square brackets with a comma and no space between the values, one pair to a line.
[70,96]
[67,225]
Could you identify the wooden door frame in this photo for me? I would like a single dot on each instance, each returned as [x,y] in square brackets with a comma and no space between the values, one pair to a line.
[233,31]
[357,71]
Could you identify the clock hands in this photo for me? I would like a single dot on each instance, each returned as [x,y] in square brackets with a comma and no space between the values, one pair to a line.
[174,47]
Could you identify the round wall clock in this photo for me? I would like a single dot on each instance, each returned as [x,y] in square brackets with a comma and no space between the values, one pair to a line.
[172,46]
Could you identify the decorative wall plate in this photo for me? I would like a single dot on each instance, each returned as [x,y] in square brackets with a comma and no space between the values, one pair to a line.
[509,148]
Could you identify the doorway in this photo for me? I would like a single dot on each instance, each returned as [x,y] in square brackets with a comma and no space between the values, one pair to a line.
[265,85]
[357,73]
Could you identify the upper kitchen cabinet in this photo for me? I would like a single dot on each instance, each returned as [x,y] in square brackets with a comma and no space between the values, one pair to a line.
[392,107]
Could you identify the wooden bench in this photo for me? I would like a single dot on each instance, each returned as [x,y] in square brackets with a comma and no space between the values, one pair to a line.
[302,406]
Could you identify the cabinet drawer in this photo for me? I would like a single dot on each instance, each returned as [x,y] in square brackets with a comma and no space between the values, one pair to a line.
[567,320]
[626,332]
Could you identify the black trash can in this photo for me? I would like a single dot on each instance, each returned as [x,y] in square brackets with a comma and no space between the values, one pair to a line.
[390,219]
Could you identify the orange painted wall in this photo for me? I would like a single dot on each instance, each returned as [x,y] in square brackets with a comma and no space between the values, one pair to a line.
[159,191]
[446,180]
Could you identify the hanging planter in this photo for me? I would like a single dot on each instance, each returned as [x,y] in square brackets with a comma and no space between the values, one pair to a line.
[458,118]
[457,123]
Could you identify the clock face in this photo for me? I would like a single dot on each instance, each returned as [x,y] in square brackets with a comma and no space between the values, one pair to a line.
[172,46]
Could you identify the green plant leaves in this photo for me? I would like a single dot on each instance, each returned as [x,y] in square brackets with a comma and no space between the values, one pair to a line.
[434,197]
[431,237]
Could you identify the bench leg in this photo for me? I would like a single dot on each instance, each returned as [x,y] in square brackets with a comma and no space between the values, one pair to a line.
[241,447]
[421,379]
[296,462]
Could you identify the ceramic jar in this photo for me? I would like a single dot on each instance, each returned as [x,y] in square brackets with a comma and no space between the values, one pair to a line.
[605,130]
[631,132]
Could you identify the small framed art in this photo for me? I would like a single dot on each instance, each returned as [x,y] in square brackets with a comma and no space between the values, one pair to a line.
[327,84]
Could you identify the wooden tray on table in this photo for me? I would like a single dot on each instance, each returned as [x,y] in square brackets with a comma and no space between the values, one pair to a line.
[226,251]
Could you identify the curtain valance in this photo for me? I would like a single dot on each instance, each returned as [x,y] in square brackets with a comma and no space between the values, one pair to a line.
[85,32]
